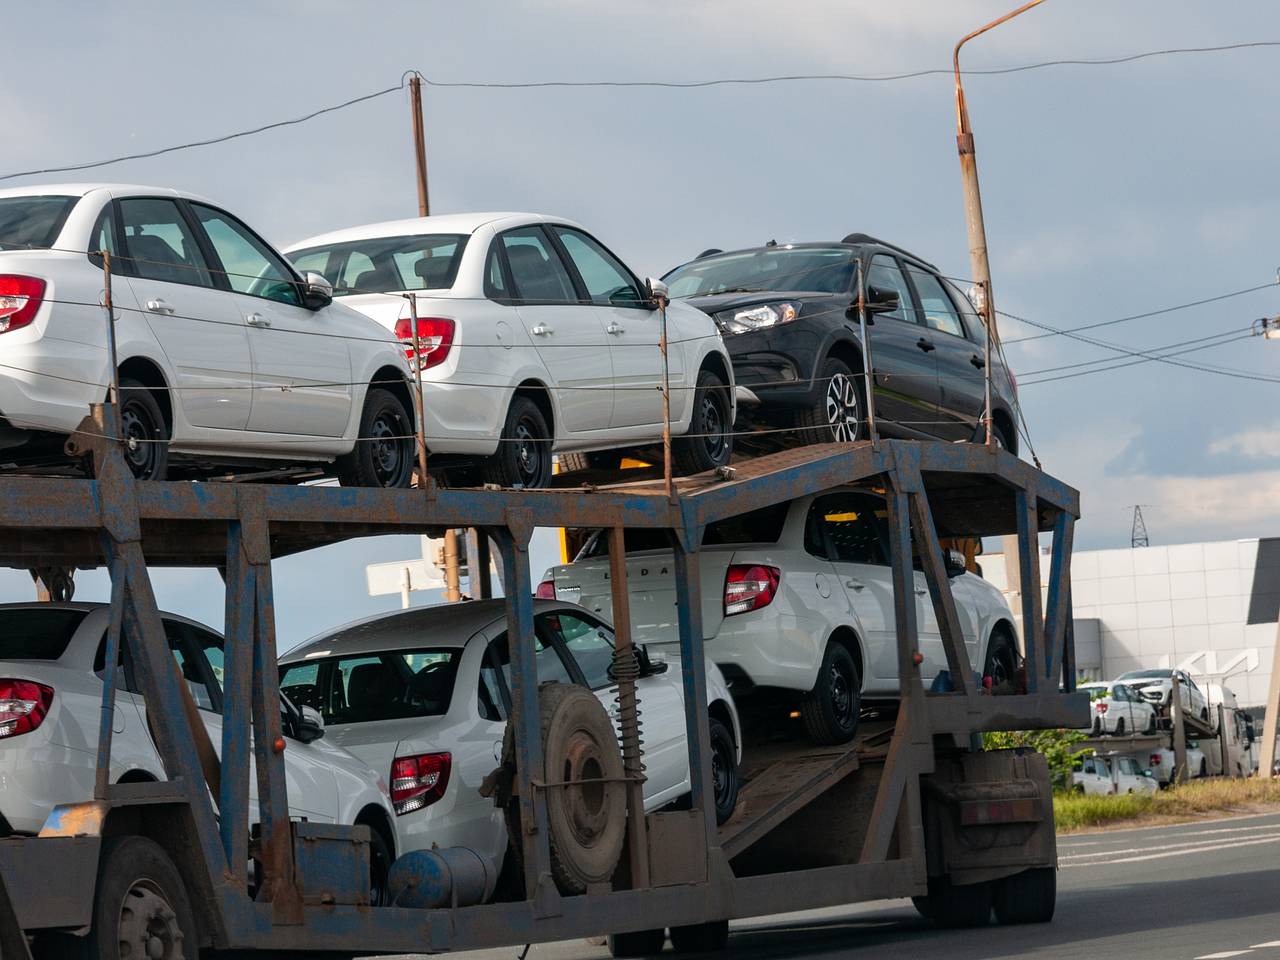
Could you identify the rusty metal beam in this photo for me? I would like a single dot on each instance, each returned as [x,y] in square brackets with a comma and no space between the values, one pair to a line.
[1058,601]
[1029,588]
[693,671]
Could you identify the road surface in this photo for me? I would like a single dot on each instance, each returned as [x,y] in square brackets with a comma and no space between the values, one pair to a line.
[1202,891]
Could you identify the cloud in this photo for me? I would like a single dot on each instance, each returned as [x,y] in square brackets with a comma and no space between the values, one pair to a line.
[1262,443]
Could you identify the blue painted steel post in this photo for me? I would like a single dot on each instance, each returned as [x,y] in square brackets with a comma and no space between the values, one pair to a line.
[693,667]
[1058,603]
[1029,585]
[110,658]
[237,699]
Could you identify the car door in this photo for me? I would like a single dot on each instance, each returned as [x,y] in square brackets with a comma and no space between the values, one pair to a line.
[633,328]
[563,326]
[961,383]
[301,357]
[905,369]
[198,326]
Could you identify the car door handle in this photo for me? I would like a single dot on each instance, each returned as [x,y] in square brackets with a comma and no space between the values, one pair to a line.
[160,306]
[542,330]
[977,361]
[853,584]
[925,345]
[258,320]
[614,329]
[921,592]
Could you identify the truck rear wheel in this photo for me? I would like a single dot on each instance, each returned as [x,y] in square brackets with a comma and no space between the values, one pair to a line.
[1027,897]
[949,905]
[709,937]
[637,943]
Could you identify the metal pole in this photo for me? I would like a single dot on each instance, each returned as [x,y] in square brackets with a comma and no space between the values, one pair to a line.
[666,401]
[114,365]
[452,585]
[1179,733]
[1267,752]
[424,479]
[419,144]
[868,380]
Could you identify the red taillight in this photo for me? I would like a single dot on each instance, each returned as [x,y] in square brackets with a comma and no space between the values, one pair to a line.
[23,706]
[1100,707]
[749,587]
[435,339]
[20,298]
[546,590]
[419,781]
[1154,759]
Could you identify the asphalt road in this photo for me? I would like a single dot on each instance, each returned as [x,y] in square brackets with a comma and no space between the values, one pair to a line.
[1203,891]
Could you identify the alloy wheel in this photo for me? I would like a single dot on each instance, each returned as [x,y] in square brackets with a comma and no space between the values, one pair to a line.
[843,415]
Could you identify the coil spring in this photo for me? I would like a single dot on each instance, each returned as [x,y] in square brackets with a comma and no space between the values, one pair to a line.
[626,671]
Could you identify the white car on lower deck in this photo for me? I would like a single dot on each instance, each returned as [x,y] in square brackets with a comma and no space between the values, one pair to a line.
[534,338]
[797,599]
[424,695]
[1100,776]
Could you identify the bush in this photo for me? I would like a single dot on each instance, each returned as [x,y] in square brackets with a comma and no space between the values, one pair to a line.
[1058,746]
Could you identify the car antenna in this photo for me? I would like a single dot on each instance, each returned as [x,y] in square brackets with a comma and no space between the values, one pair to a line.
[772,243]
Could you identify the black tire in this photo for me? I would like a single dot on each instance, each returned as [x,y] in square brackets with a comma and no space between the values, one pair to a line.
[1151,722]
[709,937]
[145,433]
[1120,727]
[839,415]
[1097,726]
[1003,440]
[637,943]
[830,710]
[709,443]
[1204,715]
[947,905]
[134,872]
[596,460]
[384,454]
[1204,767]
[1002,661]
[1027,897]
[724,770]
[379,867]
[524,455]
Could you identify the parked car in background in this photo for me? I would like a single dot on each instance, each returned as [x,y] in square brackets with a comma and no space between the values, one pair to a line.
[798,606]
[1118,709]
[53,661]
[1164,765]
[790,320]
[227,355]
[534,339]
[1112,775]
[1156,687]
[425,695]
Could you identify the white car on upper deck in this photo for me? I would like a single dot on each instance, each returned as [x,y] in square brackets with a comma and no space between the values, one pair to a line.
[226,354]
[534,338]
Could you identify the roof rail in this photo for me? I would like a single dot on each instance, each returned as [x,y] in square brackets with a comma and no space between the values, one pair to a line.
[710,251]
[867,238]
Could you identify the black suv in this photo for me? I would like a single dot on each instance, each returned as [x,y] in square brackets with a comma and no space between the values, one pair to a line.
[789,314]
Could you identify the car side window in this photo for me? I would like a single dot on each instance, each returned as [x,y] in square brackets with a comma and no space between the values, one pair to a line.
[301,684]
[939,312]
[189,666]
[495,280]
[536,270]
[251,266]
[160,244]
[209,645]
[847,528]
[551,668]
[885,273]
[607,281]
[589,642]
[492,698]
[104,236]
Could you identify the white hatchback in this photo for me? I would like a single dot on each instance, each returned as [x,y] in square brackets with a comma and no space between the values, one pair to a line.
[226,355]
[424,695]
[534,338]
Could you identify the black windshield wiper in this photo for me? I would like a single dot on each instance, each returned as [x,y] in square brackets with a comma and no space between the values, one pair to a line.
[734,290]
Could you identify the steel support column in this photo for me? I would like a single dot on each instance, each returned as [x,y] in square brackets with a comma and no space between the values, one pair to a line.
[693,667]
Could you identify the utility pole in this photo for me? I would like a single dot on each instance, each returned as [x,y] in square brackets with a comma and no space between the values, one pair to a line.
[1138,532]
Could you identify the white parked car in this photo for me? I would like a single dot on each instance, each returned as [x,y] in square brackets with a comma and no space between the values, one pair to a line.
[534,339]
[1156,687]
[52,664]
[1163,763]
[1112,775]
[424,695]
[226,354]
[1118,709]
[797,604]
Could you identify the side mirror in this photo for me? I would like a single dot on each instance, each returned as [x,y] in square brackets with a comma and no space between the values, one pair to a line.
[1148,773]
[657,293]
[648,666]
[881,299]
[317,292]
[310,724]
[955,563]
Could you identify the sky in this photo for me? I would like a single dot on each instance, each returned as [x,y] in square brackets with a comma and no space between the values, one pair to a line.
[1109,190]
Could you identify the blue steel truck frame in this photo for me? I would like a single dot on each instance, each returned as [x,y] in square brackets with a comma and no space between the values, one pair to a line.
[914,808]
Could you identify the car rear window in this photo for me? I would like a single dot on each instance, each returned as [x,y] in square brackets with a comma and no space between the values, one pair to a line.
[758,526]
[392,685]
[36,634]
[386,264]
[32,223]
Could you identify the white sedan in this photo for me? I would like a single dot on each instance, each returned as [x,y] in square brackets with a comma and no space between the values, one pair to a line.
[798,607]
[534,338]
[226,354]
[1119,709]
[424,695]
[1114,775]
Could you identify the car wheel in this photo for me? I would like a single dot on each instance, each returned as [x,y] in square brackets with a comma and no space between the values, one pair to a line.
[1204,715]
[724,770]
[596,460]
[830,710]
[948,905]
[383,455]
[379,867]
[838,415]
[1120,727]
[1002,438]
[524,455]
[1151,722]
[1002,661]
[1097,726]
[710,937]
[1204,768]
[637,943]
[709,441]
[1027,897]
[144,432]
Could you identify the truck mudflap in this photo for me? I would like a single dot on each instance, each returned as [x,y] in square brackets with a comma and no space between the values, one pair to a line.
[988,815]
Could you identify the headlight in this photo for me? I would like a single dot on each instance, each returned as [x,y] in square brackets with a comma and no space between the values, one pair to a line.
[746,319]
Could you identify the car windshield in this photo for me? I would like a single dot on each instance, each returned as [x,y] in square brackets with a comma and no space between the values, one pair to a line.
[361,688]
[758,526]
[386,264]
[780,269]
[37,634]
[1146,675]
[32,223]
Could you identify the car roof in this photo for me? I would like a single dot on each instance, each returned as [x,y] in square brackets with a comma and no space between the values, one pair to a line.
[90,607]
[443,223]
[441,625]
[84,189]
[863,241]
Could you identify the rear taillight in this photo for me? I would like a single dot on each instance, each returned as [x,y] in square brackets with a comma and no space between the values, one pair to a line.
[546,590]
[23,706]
[749,587]
[419,781]
[1154,759]
[20,298]
[435,339]
[1100,707]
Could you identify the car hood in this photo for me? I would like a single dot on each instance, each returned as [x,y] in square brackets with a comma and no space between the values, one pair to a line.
[716,302]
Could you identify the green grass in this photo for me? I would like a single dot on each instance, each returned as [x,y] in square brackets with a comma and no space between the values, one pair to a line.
[1072,811]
